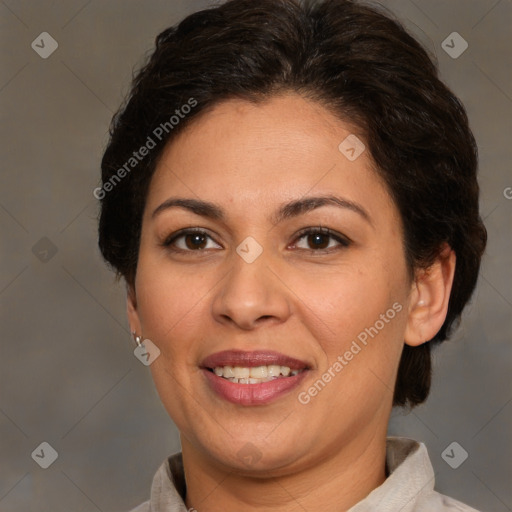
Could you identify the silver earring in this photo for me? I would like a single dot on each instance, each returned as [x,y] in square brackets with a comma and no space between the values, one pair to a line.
[136,338]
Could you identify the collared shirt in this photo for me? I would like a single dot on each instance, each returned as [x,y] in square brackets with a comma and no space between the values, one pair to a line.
[408,488]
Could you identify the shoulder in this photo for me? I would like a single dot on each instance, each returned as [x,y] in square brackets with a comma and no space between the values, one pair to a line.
[440,502]
[412,477]
[167,489]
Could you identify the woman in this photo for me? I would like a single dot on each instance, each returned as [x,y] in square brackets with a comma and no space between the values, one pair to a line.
[290,194]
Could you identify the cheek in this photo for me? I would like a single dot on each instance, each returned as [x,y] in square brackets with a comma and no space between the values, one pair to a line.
[172,313]
[170,302]
[356,314]
[346,300]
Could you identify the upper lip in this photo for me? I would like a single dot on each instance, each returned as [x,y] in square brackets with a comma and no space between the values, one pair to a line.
[252,359]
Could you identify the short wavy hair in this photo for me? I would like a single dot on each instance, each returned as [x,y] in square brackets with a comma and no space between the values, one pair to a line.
[361,64]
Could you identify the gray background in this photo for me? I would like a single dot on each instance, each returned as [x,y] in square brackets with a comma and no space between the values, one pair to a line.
[68,375]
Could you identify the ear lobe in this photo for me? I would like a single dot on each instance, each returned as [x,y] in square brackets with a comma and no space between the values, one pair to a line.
[131,310]
[429,298]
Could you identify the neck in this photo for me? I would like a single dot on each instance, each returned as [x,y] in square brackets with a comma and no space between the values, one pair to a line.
[334,482]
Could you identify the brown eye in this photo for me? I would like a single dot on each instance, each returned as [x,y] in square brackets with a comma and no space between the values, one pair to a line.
[318,241]
[195,241]
[188,240]
[322,239]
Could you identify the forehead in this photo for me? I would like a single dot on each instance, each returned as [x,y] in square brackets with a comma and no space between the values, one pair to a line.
[287,125]
[246,155]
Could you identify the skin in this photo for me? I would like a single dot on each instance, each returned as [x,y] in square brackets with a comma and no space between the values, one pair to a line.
[305,298]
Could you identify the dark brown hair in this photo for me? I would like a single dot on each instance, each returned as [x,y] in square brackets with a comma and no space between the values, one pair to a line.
[355,60]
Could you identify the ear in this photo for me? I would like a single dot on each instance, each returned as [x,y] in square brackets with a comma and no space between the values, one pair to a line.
[131,310]
[429,298]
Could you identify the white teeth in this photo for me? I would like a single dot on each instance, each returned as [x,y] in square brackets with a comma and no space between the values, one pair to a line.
[285,370]
[241,373]
[228,372]
[254,375]
[249,380]
[274,370]
[259,372]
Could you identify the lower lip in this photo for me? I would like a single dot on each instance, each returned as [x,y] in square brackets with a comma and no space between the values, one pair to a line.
[252,394]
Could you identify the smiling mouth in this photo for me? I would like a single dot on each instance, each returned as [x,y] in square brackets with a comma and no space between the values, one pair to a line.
[255,374]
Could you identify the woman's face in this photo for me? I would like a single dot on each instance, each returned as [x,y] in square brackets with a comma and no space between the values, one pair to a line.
[254,283]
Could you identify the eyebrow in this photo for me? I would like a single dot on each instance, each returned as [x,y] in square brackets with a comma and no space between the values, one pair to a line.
[286,211]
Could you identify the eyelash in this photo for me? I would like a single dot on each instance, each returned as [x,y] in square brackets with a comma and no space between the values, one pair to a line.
[342,240]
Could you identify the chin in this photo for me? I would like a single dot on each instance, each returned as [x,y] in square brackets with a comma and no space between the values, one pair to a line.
[257,459]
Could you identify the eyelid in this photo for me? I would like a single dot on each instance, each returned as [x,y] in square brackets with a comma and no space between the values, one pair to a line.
[343,240]
[168,240]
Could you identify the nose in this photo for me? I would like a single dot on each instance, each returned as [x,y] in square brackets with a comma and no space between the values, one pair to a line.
[251,294]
